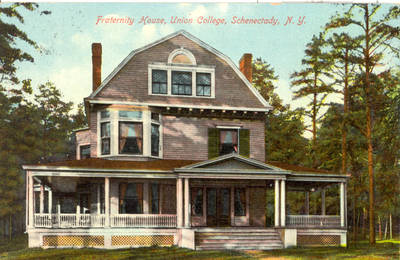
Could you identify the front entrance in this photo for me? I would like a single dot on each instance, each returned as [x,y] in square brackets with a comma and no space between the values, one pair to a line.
[218,207]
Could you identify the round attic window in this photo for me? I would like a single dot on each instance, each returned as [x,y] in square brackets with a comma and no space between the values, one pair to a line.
[182,56]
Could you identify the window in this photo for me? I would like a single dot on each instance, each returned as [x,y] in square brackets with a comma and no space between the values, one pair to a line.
[105,138]
[155,198]
[197,201]
[223,140]
[203,84]
[240,202]
[84,151]
[155,117]
[159,81]
[130,114]
[155,139]
[131,198]
[228,142]
[105,114]
[130,138]
[181,83]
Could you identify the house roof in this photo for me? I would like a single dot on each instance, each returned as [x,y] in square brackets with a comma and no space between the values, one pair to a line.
[297,168]
[194,39]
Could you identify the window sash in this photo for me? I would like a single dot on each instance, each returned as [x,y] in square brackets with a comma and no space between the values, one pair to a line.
[181,83]
[155,198]
[197,201]
[228,142]
[203,84]
[155,140]
[131,198]
[130,138]
[105,133]
[159,84]
[84,151]
[240,201]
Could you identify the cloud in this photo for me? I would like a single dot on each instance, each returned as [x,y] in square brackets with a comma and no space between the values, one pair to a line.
[199,11]
[223,7]
[81,39]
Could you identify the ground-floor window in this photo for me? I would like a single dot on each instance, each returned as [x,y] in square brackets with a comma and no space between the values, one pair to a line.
[155,198]
[240,202]
[197,201]
[131,198]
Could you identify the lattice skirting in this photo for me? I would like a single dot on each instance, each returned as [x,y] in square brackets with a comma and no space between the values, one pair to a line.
[72,241]
[149,240]
[318,240]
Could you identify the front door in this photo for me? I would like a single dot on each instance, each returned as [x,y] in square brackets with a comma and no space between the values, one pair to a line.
[218,207]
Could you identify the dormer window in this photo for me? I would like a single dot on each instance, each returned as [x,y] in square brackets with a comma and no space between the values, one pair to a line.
[181,76]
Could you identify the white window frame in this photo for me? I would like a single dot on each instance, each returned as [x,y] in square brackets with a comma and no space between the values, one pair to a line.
[114,120]
[184,68]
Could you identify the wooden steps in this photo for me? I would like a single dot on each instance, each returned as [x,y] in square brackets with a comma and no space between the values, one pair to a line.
[237,239]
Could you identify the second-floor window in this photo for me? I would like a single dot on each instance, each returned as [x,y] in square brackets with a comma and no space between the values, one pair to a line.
[130,138]
[228,141]
[225,140]
[105,137]
[203,84]
[84,151]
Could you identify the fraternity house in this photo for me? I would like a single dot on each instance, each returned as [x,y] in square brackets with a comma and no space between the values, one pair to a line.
[175,155]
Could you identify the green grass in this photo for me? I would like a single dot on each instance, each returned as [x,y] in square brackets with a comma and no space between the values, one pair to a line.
[17,249]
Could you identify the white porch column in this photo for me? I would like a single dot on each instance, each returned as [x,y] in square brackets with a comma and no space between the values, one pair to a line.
[307,202]
[50,197]
[41,199]
[342,202]
[276,203]
[107,200]
[146,199]
[179,195]
[323,207]
[30,200]
[283,203]
[187,203]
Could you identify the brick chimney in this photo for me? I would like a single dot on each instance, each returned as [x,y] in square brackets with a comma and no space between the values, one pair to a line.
[96,64]
[245,66]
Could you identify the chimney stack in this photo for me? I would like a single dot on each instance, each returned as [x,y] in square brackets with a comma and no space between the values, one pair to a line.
[96,64]
[245,66]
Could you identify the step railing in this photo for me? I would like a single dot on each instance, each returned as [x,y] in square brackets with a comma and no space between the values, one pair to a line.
[312,221]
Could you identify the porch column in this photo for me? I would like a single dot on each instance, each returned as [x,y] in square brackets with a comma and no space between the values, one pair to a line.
[107,200]
[342,202]
[323,208]
[179,215]
[276,203]
[283,203]
[30,199]
[50,197]
[41,199]
[187,203]
[307,202]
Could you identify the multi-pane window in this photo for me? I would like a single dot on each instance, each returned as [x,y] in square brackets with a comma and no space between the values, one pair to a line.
[159,81]
[240,202]
[84,151]
[181,83]
[228,141]
[130,114]
[131,198]
[130,138]
[155,139]
[197,201]
[155,198]
[203,84]
[105,137]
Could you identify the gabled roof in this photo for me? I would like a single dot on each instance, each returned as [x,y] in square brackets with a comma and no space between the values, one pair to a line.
[194,39]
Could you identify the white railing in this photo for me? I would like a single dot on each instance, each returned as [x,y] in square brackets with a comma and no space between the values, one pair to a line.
[312,221]
[143,220]
[69,220]
[95,220]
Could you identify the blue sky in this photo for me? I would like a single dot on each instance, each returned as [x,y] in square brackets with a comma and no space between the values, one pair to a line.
[67,34]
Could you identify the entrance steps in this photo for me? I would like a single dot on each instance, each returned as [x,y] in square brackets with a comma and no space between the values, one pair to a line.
[237,239]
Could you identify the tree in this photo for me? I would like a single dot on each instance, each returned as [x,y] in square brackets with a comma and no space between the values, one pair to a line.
[378,34]
[311,81]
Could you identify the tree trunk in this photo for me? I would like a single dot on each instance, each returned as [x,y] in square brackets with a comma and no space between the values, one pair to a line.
[10,228]
[369,131]
[345,109]
[380,227]
[363,222]
[354,219]
[390,226]
[386,229]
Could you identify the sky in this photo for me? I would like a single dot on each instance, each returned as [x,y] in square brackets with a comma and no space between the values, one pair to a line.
[65,37]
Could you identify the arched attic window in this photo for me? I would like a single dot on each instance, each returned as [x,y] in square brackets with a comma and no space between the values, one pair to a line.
[181,56]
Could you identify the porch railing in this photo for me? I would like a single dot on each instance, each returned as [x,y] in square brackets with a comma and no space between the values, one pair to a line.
[96,220]
[312,221]
[143,220]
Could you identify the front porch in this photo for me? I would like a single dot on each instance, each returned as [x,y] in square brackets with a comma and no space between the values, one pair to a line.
[183,203]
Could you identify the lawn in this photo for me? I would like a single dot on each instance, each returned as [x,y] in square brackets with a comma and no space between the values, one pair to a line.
[16,249]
